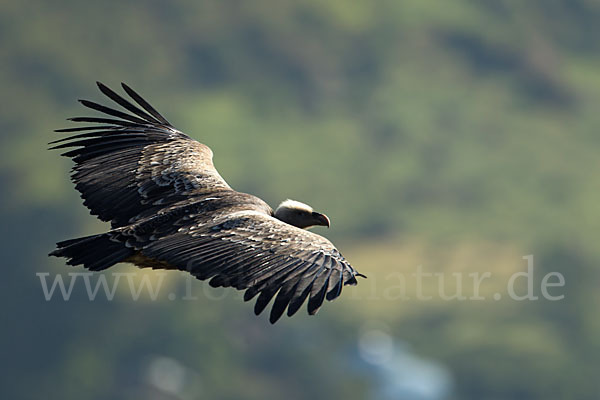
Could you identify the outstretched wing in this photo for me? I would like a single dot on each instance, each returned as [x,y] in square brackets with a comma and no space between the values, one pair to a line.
[129,165]
[249,250]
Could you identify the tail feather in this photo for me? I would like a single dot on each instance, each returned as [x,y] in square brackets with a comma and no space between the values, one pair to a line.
[96,252]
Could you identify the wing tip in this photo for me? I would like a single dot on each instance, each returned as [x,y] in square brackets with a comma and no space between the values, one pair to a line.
[274,318]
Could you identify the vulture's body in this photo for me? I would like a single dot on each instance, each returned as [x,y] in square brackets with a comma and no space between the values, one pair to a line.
[169,208]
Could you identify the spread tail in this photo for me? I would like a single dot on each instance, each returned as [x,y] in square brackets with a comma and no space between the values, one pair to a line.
[96,252]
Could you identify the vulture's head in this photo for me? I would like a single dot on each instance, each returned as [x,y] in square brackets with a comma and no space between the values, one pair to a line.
[300,215]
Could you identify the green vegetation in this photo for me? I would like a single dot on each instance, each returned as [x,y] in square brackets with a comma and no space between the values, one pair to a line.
[459,136]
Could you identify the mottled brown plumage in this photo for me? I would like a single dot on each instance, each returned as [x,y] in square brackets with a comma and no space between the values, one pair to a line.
[169,208]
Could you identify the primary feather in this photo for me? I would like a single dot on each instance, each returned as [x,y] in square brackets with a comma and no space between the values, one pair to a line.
[169,208]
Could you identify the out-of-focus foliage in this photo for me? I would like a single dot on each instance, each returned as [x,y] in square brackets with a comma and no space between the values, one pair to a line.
[460,136]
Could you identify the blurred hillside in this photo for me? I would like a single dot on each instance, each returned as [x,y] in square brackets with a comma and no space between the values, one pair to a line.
[459,136]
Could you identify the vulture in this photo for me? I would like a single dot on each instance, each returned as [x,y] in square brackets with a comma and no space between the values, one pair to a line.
[170,209]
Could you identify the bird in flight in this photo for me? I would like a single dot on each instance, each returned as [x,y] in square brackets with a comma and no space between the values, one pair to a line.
[170,209]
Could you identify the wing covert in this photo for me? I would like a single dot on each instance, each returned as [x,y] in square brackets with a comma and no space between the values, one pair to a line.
[253,251]
[134,163]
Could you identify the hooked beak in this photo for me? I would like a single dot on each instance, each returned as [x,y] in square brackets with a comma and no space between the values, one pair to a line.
[321,219]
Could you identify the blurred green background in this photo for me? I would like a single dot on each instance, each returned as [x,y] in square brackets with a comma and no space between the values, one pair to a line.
[457,136]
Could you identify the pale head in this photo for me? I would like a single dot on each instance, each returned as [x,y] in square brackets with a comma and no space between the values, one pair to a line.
[300,215]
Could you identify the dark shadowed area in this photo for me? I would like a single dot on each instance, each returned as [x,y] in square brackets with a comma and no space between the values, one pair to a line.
[453,145]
